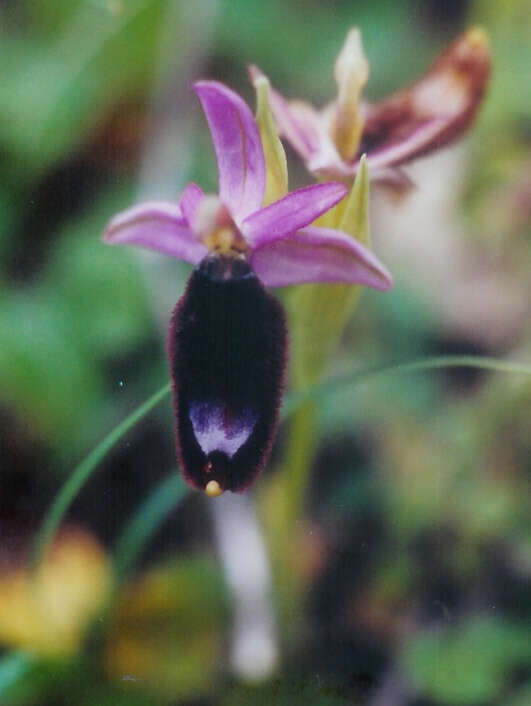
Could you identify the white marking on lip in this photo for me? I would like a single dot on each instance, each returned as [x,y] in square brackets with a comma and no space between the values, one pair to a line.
[216,428]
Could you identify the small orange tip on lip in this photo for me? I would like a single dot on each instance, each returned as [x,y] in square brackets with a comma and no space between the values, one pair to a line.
[213,489]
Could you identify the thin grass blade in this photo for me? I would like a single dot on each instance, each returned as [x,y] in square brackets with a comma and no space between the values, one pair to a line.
[82,473]
[144,523]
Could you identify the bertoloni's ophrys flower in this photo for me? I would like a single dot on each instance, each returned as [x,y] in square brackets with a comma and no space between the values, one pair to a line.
[227,338]
[424,116]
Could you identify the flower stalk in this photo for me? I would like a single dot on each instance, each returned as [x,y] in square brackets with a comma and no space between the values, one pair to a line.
[317,315]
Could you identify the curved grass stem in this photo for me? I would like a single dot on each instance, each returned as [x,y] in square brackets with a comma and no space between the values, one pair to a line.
[82,473]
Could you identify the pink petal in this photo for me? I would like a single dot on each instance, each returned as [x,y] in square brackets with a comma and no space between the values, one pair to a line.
[238,148]
[319,255]
[156,225]
[294,211]
[189,202]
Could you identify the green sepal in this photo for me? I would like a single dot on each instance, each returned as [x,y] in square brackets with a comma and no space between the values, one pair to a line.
[275,157]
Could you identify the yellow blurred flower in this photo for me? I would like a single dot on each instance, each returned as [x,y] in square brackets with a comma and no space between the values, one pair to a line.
[49,611]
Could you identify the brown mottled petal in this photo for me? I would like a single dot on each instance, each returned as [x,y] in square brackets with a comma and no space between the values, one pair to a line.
[434,111]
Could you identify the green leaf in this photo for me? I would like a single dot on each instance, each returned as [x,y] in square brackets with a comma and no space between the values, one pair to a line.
[42,371]
[13,667]
[56,88]
[88,306]
[467,664]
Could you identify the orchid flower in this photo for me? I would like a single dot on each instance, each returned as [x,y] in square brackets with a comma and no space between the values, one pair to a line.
[227,338]
[427,115]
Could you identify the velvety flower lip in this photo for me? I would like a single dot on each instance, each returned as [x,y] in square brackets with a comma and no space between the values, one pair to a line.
[428,114]
[235,219]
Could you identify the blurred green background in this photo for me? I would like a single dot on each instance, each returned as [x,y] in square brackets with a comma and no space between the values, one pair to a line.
[415,549]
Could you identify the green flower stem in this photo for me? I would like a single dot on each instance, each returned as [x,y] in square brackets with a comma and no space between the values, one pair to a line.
[282,511]
[80,475]
[300,453]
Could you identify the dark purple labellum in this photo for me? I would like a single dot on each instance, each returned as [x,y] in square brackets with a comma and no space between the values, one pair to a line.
[227,351]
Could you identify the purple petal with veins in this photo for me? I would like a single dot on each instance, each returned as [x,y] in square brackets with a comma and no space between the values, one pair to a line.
[294,211]
[159,226]
[238,148]
[319,255]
